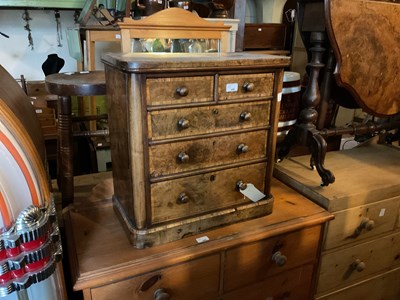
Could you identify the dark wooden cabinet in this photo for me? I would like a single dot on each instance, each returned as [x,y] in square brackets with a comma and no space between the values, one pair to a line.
[185,130]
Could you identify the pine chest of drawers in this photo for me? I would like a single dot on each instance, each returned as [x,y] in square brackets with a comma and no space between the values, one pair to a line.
[361,250]
[187,133]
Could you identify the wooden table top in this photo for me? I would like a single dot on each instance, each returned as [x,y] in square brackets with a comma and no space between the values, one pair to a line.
[85,83]
[100,252]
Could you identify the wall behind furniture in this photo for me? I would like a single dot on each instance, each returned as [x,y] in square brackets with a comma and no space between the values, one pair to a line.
[16,55]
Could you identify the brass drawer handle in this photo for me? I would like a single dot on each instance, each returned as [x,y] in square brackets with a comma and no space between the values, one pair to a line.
[183,123]
[182,91]
[248,86]
[242,148]
[240,185]
[245,116]
[183,157]
[182,198]
[279,259]
[161,294]
[358,265]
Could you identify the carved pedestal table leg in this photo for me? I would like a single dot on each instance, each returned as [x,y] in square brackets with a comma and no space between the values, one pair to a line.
[305,133]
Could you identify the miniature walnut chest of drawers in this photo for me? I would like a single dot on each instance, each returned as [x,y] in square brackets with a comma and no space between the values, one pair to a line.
[187,133]
[361,250]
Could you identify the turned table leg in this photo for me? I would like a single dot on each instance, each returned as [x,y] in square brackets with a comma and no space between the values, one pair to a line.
[65,170]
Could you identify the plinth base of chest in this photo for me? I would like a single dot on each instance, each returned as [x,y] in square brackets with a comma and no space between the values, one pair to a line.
[164,233]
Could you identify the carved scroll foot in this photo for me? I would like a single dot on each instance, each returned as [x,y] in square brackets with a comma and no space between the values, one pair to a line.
[317,146]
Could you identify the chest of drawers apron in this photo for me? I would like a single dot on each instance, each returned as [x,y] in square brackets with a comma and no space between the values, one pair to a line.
[185,132]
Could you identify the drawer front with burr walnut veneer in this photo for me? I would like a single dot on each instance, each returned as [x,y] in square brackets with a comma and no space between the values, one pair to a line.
[362,243]
[188,132]
[274,256]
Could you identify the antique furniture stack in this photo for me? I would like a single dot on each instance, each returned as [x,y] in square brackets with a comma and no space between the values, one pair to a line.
[193,144]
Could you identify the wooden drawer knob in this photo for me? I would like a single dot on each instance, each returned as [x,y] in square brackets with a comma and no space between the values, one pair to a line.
[182,198]
[183,123]
[358,265]
[367,224]
[161,294]
[245,116]
[182,91]
[242,148]
[279,259]
[240,185]
[248,86]
[183,157]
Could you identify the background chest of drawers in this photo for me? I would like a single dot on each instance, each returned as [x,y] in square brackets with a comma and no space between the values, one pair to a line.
[361,250]
[185,132]
[271,257]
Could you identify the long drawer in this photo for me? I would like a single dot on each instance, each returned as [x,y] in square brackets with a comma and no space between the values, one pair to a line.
[173,123]
[362,222]
[189,196]
[197,279]
[382,286]
[350,264]
[269,257]
[177,157]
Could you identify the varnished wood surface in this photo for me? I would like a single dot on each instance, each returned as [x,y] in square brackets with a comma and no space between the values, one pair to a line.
[101,253]
[206,152]
[77,83]
[207,119]
[156,62]
[363,175]
[365,35]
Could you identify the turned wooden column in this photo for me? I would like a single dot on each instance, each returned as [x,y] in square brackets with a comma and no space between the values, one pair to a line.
[305,132]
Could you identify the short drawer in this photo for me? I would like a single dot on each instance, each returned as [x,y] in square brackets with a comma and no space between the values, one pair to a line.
[172,123]
[179,90]
[197,279]
[345,266]
[362,222]
[193,195]
[383,286]
[292,285]
[245,86]
[254,262]
[177,157]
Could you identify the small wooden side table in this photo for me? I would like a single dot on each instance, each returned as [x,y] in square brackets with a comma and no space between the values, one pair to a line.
[273,256]
[66,85]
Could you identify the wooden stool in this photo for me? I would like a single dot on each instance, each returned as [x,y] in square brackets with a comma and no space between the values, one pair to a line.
[66,85]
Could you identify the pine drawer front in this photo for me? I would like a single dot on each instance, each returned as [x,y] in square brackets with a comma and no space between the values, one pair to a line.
[245,86]
[292,285]
[173,123]
[347,265]
[179,90]
[362,222]
[269,257]
[178,157]
[194,195]
[197,279]
[384,286]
